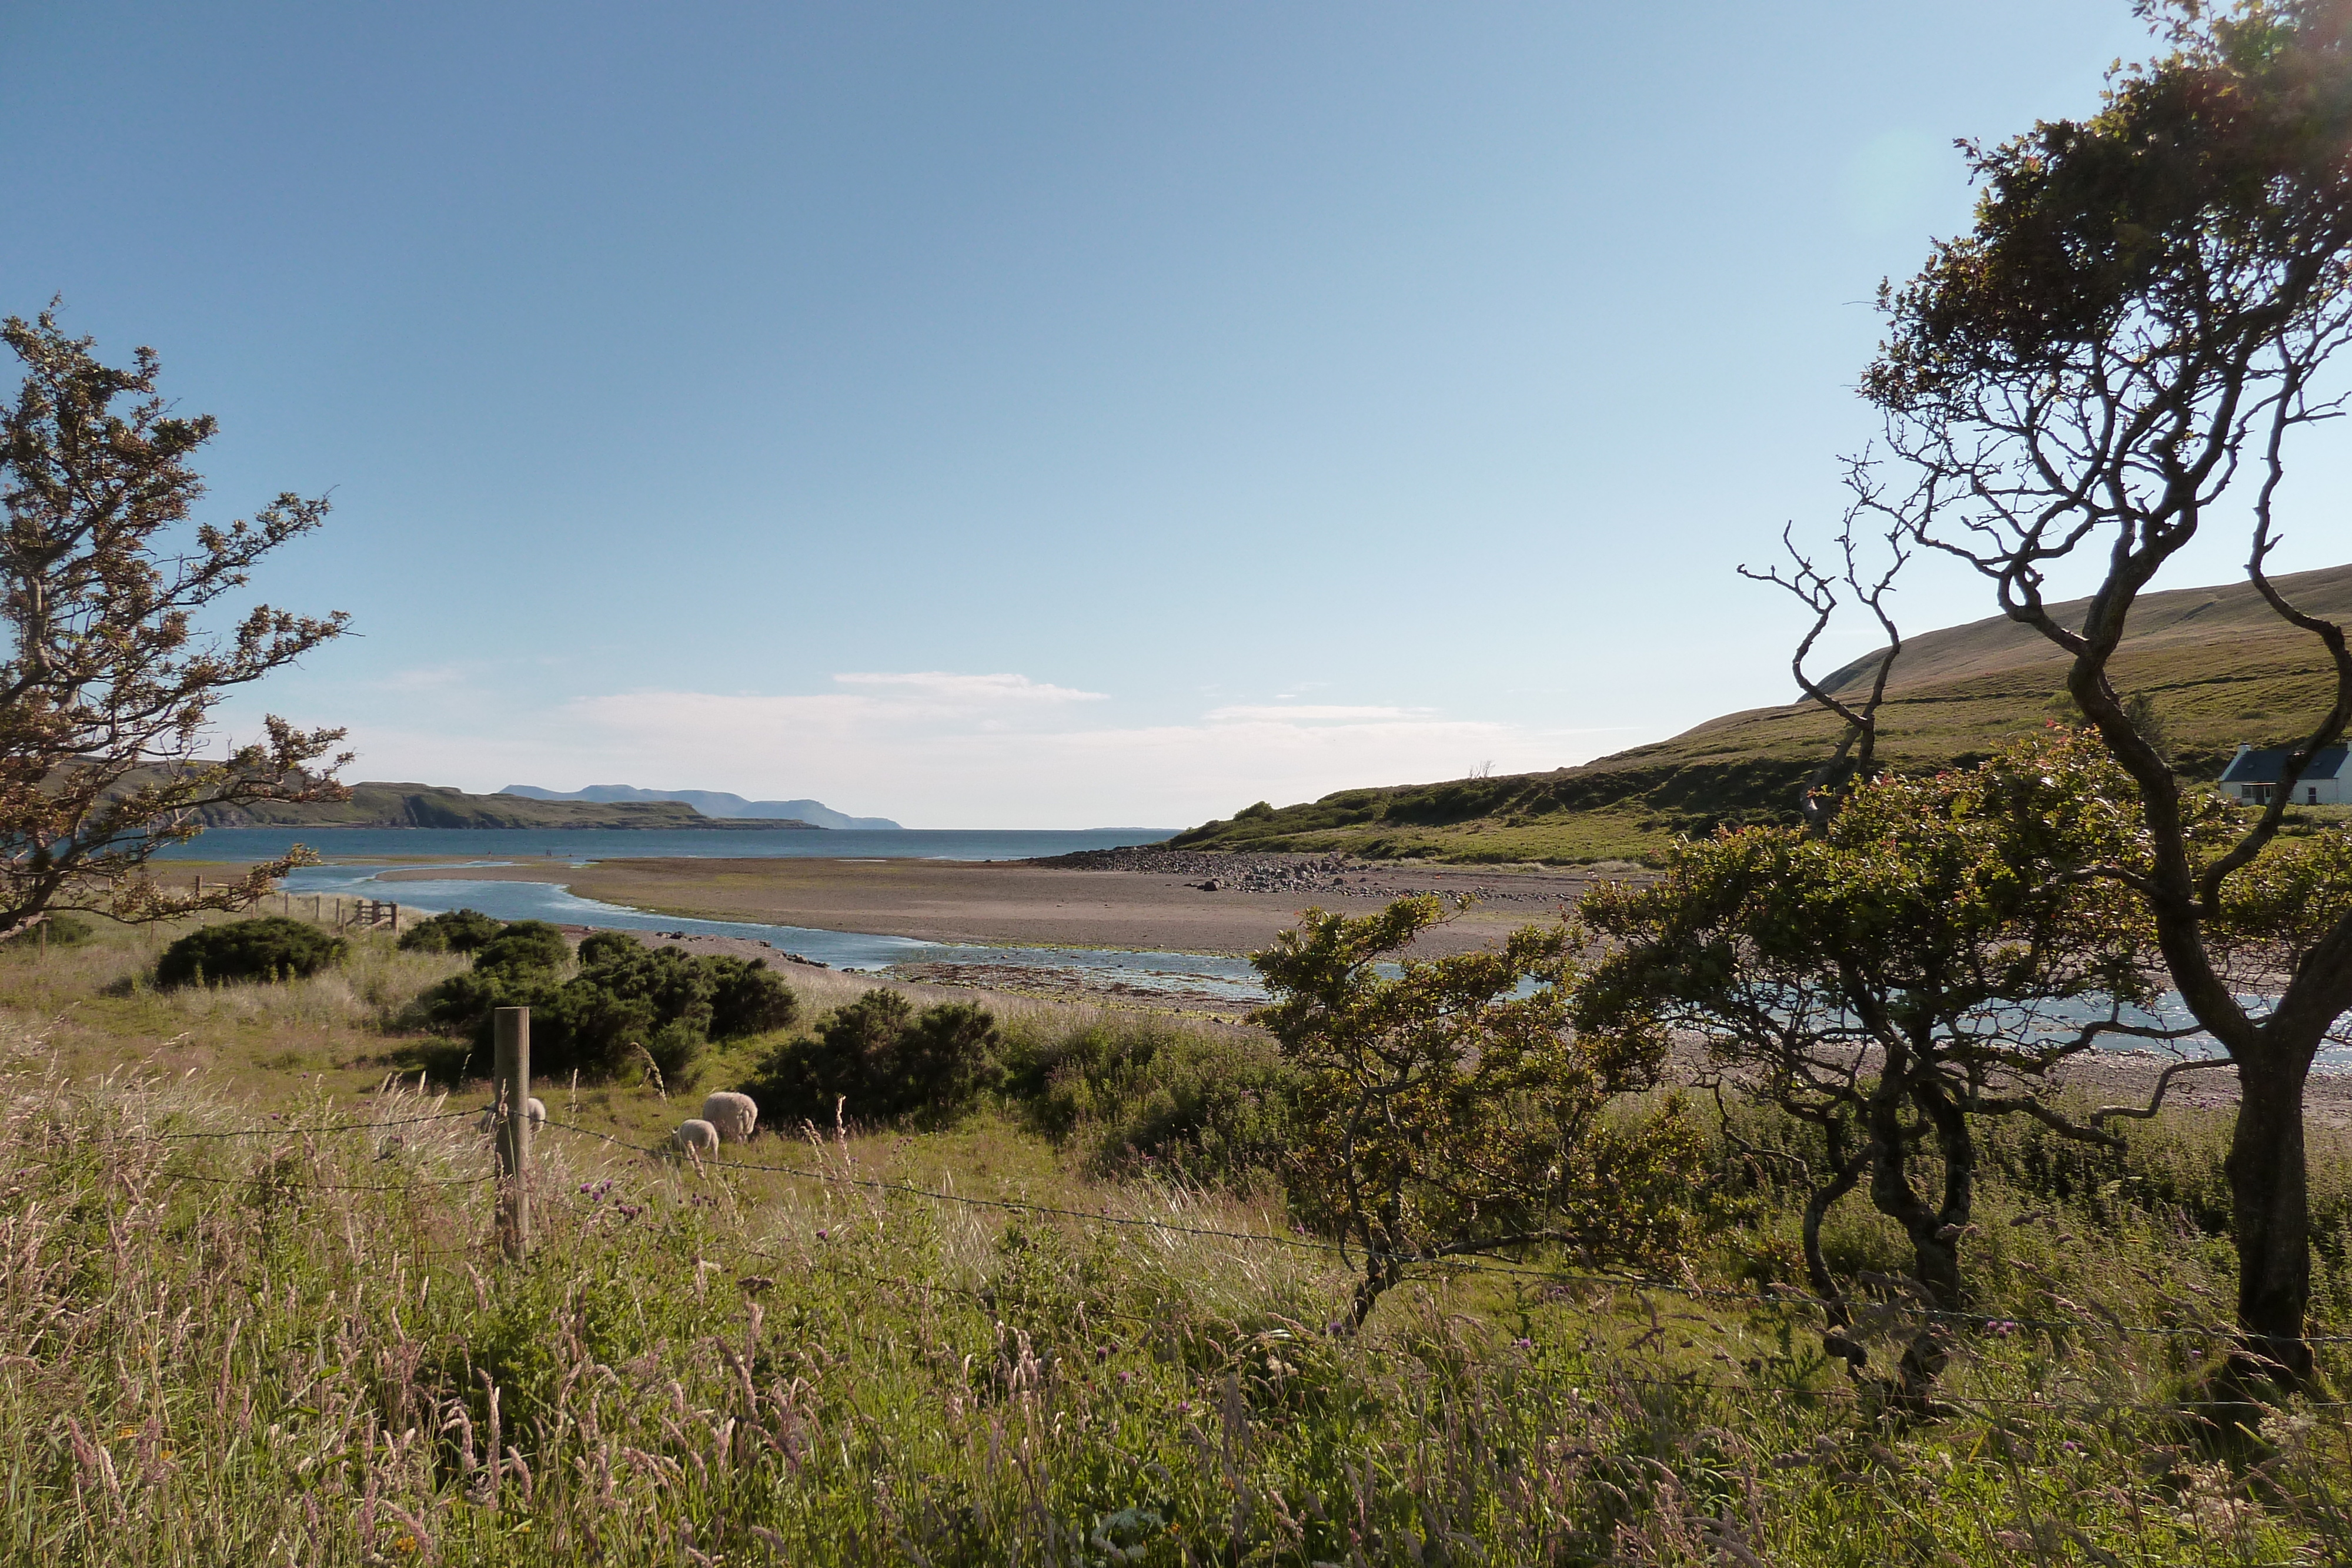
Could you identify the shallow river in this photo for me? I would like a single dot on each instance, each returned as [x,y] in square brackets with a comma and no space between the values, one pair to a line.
[1147,971]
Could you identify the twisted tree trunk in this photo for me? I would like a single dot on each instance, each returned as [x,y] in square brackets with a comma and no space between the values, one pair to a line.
[2266,1167]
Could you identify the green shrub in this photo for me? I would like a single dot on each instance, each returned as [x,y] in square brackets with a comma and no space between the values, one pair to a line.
[937,1069]
[269,948]
[454,931]
[747,997]
[59,930]
[604,947]
[628,994]
[884,1060]
[623,995]
[525,945]
[1138,1091]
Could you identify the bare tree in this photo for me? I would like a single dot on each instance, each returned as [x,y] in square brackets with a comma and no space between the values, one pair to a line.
[111,680]
[2132,330]
[1855,760]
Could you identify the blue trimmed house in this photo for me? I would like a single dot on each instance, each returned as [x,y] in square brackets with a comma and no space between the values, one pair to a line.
[2253,775]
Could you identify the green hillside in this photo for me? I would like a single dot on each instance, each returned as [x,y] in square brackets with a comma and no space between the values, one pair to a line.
[432,806]
[2218,665]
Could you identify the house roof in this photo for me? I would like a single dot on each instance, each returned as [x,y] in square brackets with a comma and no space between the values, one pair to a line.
[2263,764]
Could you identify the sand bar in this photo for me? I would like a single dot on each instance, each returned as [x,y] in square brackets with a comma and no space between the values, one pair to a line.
[1038,903]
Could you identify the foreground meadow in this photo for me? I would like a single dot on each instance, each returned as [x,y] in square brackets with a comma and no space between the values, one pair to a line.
[252,1310]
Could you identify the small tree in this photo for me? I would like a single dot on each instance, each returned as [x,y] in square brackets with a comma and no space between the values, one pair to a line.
[1924,960]
[1443,1110]
[107,693]
[2135,327]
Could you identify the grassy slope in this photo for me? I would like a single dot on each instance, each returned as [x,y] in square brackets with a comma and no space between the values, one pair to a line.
[379,805]
[2220,668]
[287,1349]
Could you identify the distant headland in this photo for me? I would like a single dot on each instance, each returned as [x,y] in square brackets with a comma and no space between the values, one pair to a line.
[381,805]
[711,803]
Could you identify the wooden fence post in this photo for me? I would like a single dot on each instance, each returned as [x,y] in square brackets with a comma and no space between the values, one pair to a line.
[511,1063]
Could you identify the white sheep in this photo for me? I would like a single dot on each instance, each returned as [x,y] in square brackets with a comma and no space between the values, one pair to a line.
[735,1115]
[698,1136]
[533,1109]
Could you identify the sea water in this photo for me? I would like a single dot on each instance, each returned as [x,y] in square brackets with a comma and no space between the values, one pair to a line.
[645,843]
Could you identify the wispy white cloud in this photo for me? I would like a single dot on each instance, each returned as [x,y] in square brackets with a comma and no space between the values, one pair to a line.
[1300,713]
[942,683]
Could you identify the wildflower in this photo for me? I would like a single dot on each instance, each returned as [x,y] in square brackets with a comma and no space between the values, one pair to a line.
[1523,1342]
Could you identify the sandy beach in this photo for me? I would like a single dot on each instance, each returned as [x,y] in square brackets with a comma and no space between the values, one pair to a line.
[1153,900]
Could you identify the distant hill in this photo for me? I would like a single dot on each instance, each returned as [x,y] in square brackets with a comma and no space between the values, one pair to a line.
[2219,666]
[377,805]
[712,803]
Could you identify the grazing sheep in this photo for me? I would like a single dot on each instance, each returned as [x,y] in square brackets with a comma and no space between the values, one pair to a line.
[533,1109]
[698,1136]
[735,1115]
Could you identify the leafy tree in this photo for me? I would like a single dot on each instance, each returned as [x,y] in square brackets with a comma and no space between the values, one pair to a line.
[1444,1111]
[453,931]
[1924,960]
[109,683]
[269,948]
[2131,333]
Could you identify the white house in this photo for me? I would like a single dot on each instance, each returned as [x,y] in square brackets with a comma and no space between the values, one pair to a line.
[2253,775]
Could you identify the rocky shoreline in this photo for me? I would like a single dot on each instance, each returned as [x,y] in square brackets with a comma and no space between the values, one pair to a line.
[1339,877]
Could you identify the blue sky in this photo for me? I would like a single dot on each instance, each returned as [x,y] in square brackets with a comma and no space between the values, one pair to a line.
[1022,416]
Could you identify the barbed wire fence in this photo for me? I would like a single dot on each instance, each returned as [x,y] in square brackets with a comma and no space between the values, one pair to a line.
[512,1117]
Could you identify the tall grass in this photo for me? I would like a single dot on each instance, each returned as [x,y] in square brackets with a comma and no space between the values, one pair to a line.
[302,1347]
[314,1357]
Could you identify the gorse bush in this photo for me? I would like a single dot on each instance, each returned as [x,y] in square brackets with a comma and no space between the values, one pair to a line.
[622,997]
[525,945]
[454,931]
[747,997]
[269,948]
[878,1060]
